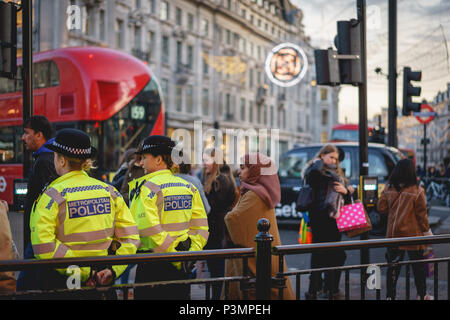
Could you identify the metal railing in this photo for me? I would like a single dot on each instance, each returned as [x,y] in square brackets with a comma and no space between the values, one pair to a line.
[282,251]
[261,283]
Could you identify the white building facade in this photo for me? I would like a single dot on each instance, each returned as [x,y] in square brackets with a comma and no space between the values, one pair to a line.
[209,57]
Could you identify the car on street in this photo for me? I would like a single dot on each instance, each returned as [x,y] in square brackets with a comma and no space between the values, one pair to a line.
[382,160]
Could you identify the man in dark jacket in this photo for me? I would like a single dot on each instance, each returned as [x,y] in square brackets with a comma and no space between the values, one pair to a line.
[37,133]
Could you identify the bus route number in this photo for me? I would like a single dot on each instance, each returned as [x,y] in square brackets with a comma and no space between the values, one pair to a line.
[138,112]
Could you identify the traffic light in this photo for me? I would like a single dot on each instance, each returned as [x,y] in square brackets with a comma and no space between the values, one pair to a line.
[8,40]
[410,91]
[348,43]
[327,67]
[344,65]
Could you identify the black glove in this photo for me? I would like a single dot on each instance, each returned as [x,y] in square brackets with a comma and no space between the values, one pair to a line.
[184,245]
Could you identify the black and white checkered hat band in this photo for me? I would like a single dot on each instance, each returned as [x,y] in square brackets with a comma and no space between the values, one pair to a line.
[73,150]
[149,146]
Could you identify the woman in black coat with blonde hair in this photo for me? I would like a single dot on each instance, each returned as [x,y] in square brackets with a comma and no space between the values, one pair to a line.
[324,174]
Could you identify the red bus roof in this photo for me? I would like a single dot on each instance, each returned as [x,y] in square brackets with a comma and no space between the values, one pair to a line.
[348,126]
[94,84]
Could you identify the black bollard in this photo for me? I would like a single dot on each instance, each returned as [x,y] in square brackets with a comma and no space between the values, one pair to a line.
[263,260]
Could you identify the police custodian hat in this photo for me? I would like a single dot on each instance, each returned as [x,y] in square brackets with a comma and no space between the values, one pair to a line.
[156,145]
[72,143]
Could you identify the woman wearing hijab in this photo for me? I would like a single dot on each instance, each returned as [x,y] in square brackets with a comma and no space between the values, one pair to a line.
[260,193]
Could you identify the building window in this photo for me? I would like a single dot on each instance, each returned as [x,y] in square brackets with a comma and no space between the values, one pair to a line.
[179,53]
[150,42]
[102,25]
[228,105]
[152,5]
[165,49]
[190,57]
[179,98]
[324,117]
[205,101]
[243,109]
[220,103]
[250,79]
[265,114]
[119,33]
[205,64]
[137,38]
[243,45]
[323,94]
[89,21]
[189,99]
[190,22]
[250,115]
[164,10]
[205,27]
[228,36]
[165,88]
[272,116]
[258,114]
[179,17]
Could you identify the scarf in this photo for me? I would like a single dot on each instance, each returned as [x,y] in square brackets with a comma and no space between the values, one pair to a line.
[261,179]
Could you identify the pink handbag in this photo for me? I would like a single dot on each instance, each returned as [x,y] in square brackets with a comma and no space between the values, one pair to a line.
[352,217]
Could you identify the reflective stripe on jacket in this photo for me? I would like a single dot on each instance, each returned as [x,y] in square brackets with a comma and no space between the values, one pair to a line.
[79,216]
[168,210]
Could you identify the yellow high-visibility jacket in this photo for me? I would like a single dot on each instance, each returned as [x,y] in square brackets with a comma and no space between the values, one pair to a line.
[79,216]
[168,210]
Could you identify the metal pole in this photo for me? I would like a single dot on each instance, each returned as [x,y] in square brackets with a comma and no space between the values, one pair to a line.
[392,136]
[363,137]
[27,85]
[27,73]
[263,260]
[425,152]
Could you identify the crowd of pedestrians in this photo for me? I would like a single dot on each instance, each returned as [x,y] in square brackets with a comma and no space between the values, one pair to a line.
[68,213]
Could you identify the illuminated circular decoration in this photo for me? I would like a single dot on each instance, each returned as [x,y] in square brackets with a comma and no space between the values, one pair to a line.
[286,64]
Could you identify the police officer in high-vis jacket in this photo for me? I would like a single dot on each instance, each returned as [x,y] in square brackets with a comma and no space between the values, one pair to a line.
[79,216]
[171,218]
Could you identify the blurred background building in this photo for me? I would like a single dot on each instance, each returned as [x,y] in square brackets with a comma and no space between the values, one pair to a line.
[209,57]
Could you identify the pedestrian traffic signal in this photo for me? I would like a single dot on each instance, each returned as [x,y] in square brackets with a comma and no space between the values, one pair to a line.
[327,68]
[410,91]
[344,65]
[348,44]
[8,39]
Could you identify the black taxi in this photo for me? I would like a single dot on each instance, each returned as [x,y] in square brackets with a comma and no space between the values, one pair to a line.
[382,160]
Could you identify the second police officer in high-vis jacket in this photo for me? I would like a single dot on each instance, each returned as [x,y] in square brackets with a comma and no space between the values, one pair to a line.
[79,216]
[170,215]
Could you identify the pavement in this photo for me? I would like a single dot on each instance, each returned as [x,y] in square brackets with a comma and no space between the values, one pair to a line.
[439,221]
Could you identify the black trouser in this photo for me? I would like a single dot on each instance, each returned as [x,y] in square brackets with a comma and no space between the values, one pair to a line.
[396,255]
[161,271]
[216,268]
[324,229]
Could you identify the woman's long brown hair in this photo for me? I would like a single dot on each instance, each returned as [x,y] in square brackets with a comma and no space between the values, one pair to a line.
[327,149]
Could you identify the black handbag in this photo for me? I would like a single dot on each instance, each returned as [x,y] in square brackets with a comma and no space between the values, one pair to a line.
[305,198]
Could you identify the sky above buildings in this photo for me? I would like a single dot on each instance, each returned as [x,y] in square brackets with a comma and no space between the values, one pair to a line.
[423,35]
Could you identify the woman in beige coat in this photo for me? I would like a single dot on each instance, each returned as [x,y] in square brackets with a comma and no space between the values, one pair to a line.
[7,279]
[259,194]
[404,202]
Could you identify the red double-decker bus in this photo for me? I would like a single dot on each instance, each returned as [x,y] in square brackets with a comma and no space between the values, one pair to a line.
[350,132]
[111,95]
